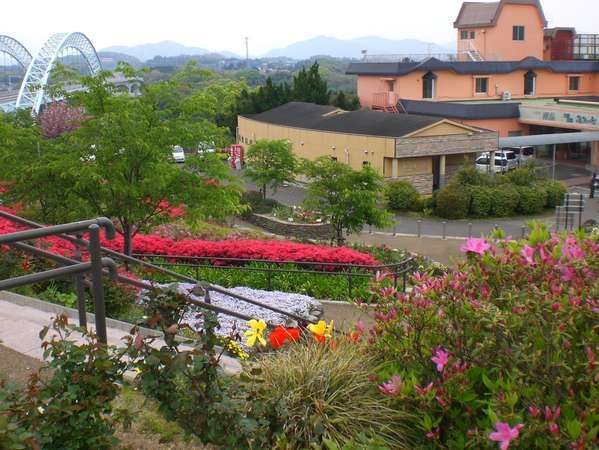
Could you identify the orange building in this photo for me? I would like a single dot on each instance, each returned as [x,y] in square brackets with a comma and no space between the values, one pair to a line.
[511,75]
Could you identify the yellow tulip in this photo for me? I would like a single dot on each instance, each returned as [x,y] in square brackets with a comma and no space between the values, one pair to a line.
[256,332]
[321,328]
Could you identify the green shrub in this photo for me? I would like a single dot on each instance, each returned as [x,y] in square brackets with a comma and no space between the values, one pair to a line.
[401,195]
[470,176]
[532,199]
[453,202]
[68,404]
[189,386]
[505,200]
[482,202]
[522,176]
[556,191]
[328,396]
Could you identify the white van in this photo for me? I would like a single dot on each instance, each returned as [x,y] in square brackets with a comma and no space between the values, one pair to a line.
[178,154]
[504,161]
[524,154]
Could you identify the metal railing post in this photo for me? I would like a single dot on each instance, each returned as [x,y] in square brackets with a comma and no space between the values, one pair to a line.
[567,210]
[207,298]
[523,231]
[444,223]
[470,229]
[80,289]
[97,288]
[349,283]
[419,225]
[269,277]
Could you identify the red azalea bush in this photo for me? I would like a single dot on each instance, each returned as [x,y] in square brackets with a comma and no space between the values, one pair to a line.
[502,350]
[271,250]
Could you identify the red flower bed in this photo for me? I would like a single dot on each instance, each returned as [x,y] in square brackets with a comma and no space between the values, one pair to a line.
[244,249]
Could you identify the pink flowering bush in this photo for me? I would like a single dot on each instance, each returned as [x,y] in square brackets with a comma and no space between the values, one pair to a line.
[501,352]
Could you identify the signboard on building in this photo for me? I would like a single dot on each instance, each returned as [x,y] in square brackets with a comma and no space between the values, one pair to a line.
[574,118]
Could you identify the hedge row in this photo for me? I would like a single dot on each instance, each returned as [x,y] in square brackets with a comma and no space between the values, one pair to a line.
[457,201]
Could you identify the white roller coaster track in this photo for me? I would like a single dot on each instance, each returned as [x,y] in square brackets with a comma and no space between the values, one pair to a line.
[33,88]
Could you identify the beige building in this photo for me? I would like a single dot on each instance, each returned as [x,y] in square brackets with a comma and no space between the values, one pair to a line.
[424,150]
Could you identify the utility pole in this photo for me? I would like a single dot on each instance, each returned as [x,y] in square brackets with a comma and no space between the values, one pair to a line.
[247,52]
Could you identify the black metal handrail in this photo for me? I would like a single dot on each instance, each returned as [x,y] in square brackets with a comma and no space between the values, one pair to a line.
[94,266]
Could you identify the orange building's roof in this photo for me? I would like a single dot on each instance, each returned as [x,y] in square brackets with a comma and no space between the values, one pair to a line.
[483,14]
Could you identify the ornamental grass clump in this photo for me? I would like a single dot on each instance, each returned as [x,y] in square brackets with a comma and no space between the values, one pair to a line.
[328,396]
[502,351]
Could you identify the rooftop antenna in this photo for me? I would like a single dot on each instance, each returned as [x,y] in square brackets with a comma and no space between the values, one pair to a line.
[247,52]
[364,53]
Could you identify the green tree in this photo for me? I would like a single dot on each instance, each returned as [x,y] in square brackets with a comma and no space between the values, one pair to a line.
[346,101]
[348,198]
[309,86]
[117,163]
[270,164]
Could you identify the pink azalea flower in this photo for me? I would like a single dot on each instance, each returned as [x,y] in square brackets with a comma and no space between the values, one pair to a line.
[528,253]
[475,245]
[440,359]
[504,434]
[392,387]
[425,390]
[360,326]
[554,428]
[568,273]
[534,411]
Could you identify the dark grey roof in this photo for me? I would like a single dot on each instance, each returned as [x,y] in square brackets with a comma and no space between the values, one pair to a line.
[476,13]
[372,123]
[462,110]
[471,67]
[484,14]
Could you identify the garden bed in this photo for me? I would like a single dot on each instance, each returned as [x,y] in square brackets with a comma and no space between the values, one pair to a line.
[312,231]
[301,305]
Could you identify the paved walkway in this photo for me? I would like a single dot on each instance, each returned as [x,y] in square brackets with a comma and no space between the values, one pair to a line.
[22,318]
[446,251]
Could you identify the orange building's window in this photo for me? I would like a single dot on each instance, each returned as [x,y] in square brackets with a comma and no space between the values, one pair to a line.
[574,83]
[518,33]
[530,81]
[481,85]
[464,34]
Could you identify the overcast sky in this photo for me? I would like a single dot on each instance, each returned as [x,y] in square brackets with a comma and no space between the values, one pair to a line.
[223,24]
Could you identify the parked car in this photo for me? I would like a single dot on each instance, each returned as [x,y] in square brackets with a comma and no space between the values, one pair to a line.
[178,154]
[504,161]
[206,147]
[523,154]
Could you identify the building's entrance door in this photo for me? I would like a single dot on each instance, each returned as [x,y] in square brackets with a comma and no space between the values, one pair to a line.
[436,173]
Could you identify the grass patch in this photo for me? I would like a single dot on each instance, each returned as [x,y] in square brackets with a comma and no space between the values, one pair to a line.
[149,429]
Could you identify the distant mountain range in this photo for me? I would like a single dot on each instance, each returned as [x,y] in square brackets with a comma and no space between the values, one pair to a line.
[318,46]
[145,52]
[352,48]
